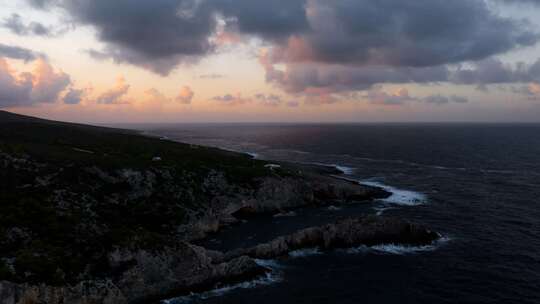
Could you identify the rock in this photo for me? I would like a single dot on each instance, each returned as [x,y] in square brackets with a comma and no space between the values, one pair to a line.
[347,233]
[246,212]
[147,277]
[88,292]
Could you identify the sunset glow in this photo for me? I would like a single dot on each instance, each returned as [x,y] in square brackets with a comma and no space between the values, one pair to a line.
[282,61]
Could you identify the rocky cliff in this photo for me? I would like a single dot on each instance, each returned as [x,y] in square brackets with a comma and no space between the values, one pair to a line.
[97,215]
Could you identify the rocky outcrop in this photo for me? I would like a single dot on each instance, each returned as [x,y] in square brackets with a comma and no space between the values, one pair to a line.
[143,277]
[279,196]
[91,292]
[181,270]
[347,233]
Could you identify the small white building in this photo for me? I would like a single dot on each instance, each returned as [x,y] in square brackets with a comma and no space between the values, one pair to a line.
[156,158]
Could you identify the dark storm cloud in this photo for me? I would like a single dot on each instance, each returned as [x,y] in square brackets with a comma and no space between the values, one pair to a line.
[306,78]
[158,35]
[410,33]
[300,78]
[41,3]
[535,2]
[493,71]
[16,52]
[277,19]
[153,34]
[16,25]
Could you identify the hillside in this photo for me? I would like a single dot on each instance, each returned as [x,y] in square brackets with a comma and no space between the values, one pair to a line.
[98,215]
[70,191]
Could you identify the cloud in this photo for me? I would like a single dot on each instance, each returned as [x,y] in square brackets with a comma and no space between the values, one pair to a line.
[48,83]
[376,95]
[157,35]
[270,100]
[42,85]
[15,52]
[15,24]
[521,2]
[293,104]
[185,96]
[14,89]
[308,77]
[353,45]
[212,76]
[305,78]
[73,96]
[531,91]
[270,20]
[114,95]
[493,71]
[404,33]
[442,100]
[42,3]
[231,100]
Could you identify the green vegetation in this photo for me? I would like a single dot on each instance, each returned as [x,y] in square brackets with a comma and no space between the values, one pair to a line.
[66,199]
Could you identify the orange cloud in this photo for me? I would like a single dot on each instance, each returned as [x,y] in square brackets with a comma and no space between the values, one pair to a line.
[42,85]
[114,95]
[186,95]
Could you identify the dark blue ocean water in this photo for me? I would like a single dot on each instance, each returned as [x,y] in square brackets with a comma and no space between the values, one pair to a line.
[476,184]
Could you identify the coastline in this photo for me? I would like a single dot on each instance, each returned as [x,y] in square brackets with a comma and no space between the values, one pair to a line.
[165,174]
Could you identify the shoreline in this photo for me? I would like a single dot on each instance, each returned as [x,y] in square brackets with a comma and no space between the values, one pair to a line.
[161,178]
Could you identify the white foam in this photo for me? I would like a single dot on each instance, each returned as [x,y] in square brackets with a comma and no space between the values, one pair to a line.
[272,264]
[404,249]
[305,252]
[399,249]
[346,170]
[333,208]
[399,196]
[252,154]
[268,279]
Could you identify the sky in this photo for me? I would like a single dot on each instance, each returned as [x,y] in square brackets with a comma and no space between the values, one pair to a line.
[174,61]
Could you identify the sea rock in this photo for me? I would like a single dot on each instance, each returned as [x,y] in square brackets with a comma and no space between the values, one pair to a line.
[346,233]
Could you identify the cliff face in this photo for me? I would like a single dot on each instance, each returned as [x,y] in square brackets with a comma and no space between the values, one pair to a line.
[145,276]
[94,215]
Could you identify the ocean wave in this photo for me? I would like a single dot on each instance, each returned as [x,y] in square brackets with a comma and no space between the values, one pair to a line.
[333,208]
[346,170]
[399,196]
[272,264]
[269,278]
[343,169]
[252,154]
[398,249]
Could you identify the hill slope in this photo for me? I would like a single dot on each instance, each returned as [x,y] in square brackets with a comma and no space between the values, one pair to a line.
[109,215]
[69,192]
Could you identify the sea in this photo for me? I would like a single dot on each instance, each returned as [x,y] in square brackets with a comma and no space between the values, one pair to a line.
[478,185]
